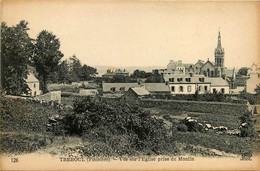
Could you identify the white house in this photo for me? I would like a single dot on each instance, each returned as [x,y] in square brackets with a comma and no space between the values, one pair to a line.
[218,84]
[185,84]
[254,79]
[33,84]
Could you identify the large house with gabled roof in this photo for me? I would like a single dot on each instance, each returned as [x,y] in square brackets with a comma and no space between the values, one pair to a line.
[33,84]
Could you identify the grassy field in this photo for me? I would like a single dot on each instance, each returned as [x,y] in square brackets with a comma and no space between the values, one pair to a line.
[215,119]
[28,133]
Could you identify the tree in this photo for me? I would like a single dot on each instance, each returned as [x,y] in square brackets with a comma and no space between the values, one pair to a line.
[63,72]
[140,74]
[257,89]
[155,78]
[87,72]
[16,51]
[242,71]
[47,56]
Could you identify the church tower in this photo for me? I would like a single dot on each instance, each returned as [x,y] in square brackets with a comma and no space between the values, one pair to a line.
[219,54]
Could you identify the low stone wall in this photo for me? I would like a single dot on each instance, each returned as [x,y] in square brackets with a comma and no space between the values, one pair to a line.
[51,96]
[88,92]
[196,106]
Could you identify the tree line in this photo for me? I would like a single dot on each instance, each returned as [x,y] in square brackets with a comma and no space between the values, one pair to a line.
[21,54]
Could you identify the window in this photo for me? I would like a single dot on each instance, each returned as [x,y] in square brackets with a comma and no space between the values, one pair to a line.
[122,89]
[189,88]
[206,88]
[173,89]
[112,89]
[181,89]
[214,90]
[200,88]
[179,79]
[171,79]
[188,79]
[34,93]
[223,90]
[34,85]
[201,79]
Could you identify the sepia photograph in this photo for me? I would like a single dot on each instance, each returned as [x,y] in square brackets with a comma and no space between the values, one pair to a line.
[129,85]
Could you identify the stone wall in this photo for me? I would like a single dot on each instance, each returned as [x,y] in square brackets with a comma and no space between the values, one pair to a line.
[51,96]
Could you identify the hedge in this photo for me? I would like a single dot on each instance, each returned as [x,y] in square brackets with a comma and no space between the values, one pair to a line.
[196,106]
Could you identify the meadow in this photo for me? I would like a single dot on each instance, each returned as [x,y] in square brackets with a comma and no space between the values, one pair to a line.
[115,129]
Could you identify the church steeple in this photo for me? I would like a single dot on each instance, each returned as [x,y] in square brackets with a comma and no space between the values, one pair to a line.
[219,53]
[219,40]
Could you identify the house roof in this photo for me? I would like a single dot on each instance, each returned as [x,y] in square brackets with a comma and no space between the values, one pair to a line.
[194,79]
[109,74]
[140,91]
[107,86]
[31,78]
[218,81]
[200,62]
[230,72]
[156,87]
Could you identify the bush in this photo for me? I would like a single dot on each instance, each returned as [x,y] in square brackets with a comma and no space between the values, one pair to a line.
[251,98]
[22,142]
[182,128]
[123,127]
[249,129]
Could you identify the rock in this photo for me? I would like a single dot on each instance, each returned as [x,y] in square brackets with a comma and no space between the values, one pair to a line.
[208,126]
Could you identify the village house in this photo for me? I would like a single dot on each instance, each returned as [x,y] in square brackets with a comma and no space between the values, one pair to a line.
[157,88]
[208,69]
[218,84]
[117,88]
[135,93]
[185,84]
[253,80]
[33,84]
[113,72]
[176,67]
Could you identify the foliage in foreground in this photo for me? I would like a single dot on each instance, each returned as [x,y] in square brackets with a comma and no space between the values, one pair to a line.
[22,142]
[23,115]
[118,128]
[227,143]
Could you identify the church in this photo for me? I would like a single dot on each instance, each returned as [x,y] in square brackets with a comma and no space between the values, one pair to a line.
[210,69]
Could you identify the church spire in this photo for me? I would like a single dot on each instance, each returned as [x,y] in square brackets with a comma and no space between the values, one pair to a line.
[219,40]
[219,53]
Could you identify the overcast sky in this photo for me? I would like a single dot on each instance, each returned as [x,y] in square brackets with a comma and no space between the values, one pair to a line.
[144,33]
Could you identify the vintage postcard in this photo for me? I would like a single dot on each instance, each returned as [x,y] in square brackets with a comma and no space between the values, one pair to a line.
[129,85]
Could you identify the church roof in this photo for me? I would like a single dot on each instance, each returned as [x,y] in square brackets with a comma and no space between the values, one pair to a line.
[208,62]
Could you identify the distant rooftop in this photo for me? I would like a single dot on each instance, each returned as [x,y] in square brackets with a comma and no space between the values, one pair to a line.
[141,91]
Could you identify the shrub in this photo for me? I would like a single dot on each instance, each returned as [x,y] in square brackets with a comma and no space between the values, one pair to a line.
[125,128]
[13,110]
[249,129]
[182,128]
[251,98]
[22,142]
